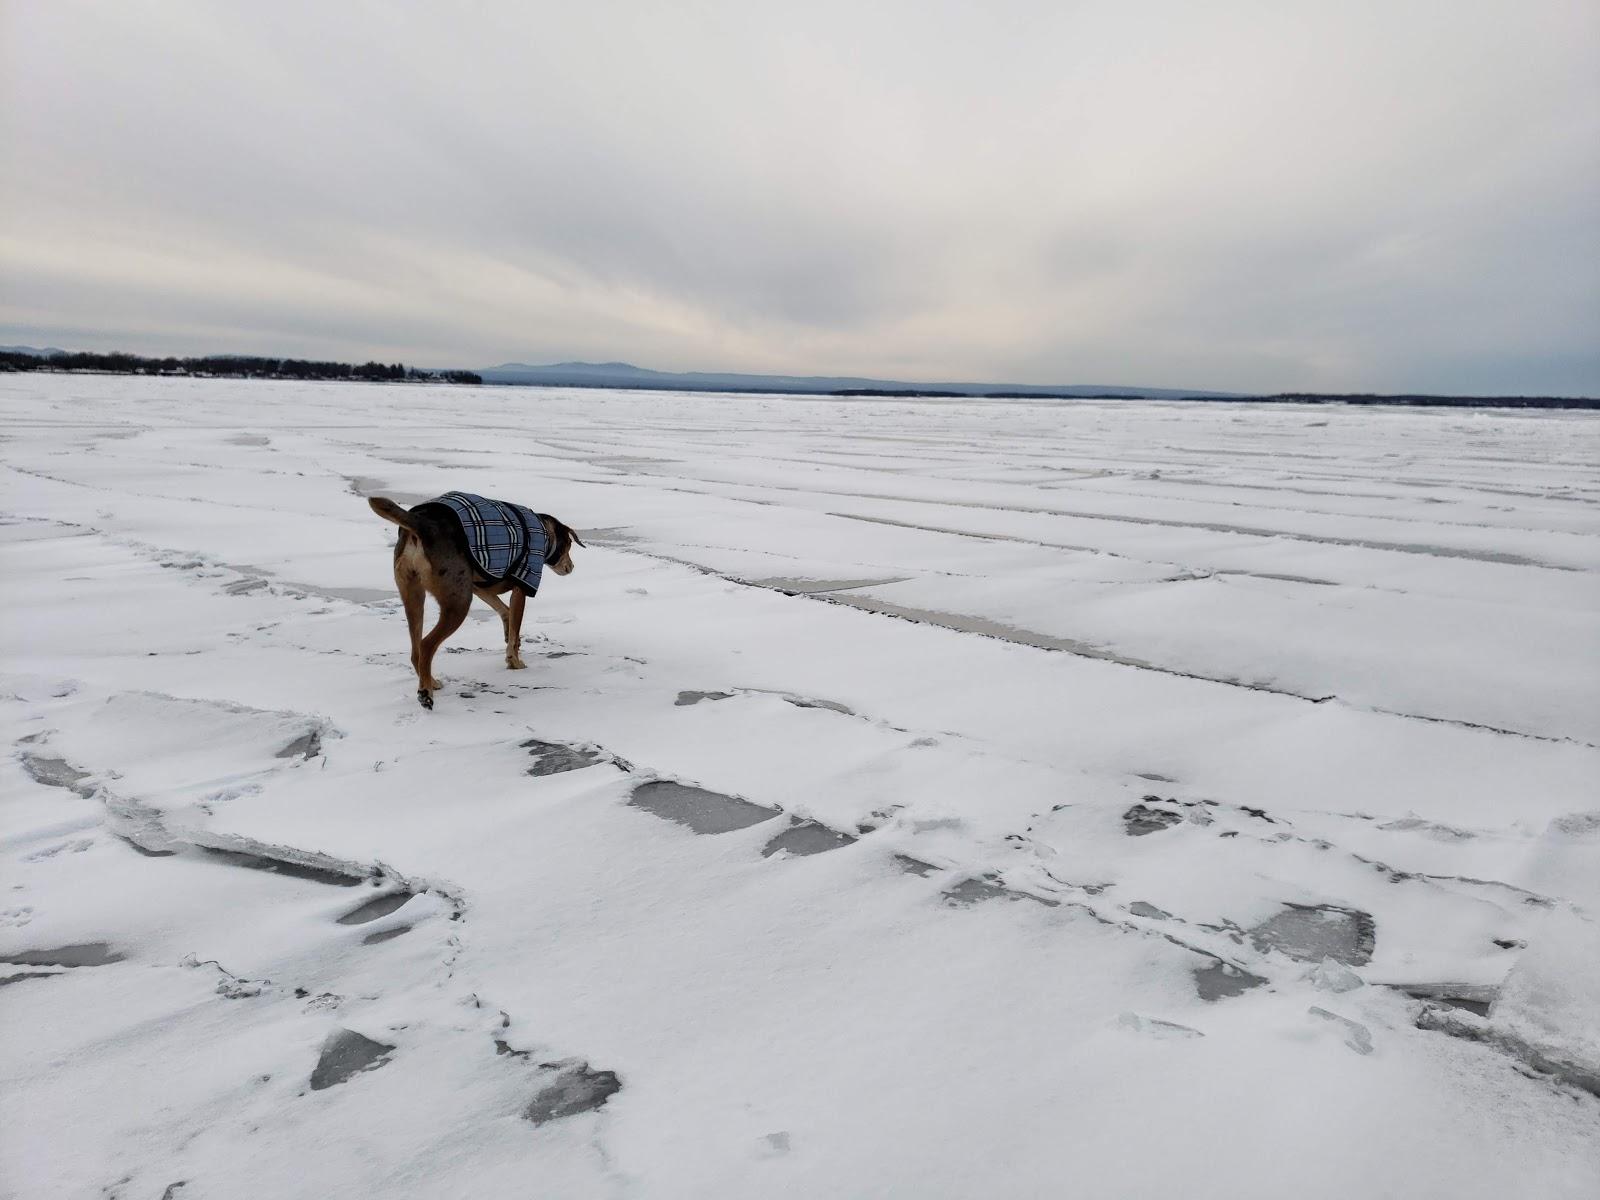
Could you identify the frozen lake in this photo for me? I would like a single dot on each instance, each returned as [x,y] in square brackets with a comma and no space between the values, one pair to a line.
[905,798]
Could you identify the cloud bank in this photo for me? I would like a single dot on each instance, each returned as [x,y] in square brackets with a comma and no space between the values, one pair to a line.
[1250,196]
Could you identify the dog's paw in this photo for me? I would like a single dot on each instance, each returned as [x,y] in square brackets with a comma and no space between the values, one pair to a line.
[516,665]
[424,698]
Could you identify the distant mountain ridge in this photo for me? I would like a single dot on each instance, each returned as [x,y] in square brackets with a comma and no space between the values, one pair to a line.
[626,375]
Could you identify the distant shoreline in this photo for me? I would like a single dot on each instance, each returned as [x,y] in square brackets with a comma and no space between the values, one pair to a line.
[231,366]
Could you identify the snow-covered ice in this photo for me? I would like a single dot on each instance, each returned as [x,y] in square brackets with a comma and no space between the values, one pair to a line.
[905,798]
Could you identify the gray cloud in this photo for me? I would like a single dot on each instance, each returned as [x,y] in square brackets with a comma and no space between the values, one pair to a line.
[1232,195]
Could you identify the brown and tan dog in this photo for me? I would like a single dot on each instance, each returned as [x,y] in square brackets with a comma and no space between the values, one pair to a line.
[431,558]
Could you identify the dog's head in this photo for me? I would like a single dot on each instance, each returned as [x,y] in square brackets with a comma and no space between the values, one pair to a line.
[560,539]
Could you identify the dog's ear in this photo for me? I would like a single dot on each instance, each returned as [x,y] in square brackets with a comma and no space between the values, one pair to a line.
[575,537]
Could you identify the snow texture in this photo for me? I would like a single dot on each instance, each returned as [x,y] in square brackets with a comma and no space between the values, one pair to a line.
[904,798]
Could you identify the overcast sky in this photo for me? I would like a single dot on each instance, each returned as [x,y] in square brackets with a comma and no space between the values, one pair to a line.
[1251,196]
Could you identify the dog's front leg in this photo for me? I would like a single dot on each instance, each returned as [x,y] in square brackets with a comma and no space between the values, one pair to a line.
[519,600]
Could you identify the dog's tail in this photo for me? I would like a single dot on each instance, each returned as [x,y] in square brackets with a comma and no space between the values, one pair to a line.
[390,511]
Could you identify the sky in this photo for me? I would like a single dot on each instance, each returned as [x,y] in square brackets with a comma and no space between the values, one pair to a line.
[1250,196]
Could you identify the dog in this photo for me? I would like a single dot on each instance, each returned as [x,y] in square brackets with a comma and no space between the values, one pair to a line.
[508,549]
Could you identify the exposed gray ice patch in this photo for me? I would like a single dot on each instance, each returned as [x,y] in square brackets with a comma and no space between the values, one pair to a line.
[356,595]
[1312,932]
[1143,908]
[346,1053]
[366,486]
[701,810]
[385,935]
[575,1089]
[55,772]
[1471,997]
[804,838]
[685,699]
[84,954]
[811,587]
[378,906]
[307,745]
[555,758]
[280,866]
[18,977]
[813,702]
[914,866]
[1141,819]
[1218,980]
[976,890]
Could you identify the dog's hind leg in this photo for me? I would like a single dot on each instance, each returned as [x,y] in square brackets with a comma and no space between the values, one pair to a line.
[412,596]
[452,611]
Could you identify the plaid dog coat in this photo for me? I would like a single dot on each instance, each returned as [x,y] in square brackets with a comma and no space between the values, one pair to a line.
[506,541]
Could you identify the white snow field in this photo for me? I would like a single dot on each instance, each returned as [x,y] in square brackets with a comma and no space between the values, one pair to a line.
[904,799]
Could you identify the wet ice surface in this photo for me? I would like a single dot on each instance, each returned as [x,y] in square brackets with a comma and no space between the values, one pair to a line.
[1314,932]
[932,659]
[701,810]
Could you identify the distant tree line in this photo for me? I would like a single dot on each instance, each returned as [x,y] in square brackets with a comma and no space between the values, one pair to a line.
[232,366]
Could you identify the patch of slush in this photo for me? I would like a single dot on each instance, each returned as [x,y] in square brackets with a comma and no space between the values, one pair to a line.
[701,810]
[346,1053]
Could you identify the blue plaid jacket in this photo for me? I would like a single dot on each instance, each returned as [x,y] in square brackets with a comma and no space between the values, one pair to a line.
[506,540]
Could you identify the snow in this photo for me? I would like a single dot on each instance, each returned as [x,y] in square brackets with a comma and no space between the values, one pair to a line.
[888,782]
